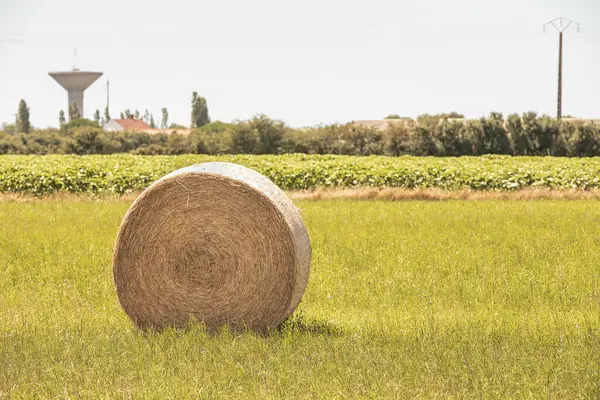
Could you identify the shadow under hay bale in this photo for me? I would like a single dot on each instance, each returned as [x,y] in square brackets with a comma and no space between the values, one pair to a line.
[311,326]
[216,242]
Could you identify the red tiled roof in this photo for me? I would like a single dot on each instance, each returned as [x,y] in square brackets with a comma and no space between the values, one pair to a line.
[132,124]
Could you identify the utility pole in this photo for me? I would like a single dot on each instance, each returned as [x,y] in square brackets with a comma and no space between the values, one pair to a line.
[561,25]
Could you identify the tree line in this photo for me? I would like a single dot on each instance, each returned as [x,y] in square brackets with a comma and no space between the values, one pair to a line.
[199,116]
[428,135]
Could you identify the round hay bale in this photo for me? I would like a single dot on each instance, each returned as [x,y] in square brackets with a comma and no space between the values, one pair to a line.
[216,242]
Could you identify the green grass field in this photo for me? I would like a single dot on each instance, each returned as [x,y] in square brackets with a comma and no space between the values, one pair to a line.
[489,299]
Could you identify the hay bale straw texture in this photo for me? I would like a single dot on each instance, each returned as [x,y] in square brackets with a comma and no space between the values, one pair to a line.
[216,242]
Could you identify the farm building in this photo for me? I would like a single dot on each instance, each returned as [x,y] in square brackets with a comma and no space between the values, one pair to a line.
[382,124]
[170,131]
[385,124]
[126,125]
[583,121]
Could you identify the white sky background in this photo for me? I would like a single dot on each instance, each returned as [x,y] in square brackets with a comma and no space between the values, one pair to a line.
[305,62]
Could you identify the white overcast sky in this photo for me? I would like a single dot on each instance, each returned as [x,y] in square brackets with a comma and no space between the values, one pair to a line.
[305,62]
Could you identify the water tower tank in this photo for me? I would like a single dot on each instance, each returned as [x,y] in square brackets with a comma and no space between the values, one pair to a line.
[75,82]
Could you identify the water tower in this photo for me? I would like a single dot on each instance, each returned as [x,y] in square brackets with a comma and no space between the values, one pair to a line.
[75,82]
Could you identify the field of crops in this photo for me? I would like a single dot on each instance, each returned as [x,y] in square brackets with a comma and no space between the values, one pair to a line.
[486,300]
[40,175]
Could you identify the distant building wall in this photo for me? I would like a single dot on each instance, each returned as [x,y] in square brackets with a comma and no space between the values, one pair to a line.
[383,124]
[112,125]
[582,121]
[180,131]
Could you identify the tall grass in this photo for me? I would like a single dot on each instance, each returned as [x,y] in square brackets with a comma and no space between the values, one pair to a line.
[410,300]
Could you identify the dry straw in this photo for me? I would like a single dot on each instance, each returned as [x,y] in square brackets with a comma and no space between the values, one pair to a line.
[216,242]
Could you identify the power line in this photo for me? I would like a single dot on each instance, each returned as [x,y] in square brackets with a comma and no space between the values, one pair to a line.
[561,25]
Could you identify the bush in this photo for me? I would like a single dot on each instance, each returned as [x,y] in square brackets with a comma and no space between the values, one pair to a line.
[151,150]
[129,141]
[215,127]
[70,127]
[306,140]
[259,135]
[586,142]
[365,141]
[211,142]
[520,141]
[244,139]
[400,139]
[178,144]
[92,140]
[494,139]
[43,142]
[432,135]
[10,144]
[270,133]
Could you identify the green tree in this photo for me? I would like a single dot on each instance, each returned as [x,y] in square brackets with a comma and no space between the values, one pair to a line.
[97,116]
[495,137]
[23,124]
[136,115]
[539,133]
[92,140]
[261,135]
[547,135]
[61,118]
[106,114]
[452,114]
[587,141]
[200,115]
[70,127]
[74,112]
[365,140]
[195,109]
[9,128]
[152,124]
[165,118]
[178,144]
[521,142]
[216,127]
[448,139]
[400,139]
[244,139]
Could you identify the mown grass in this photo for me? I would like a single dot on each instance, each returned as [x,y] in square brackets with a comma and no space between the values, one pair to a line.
[490,299]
